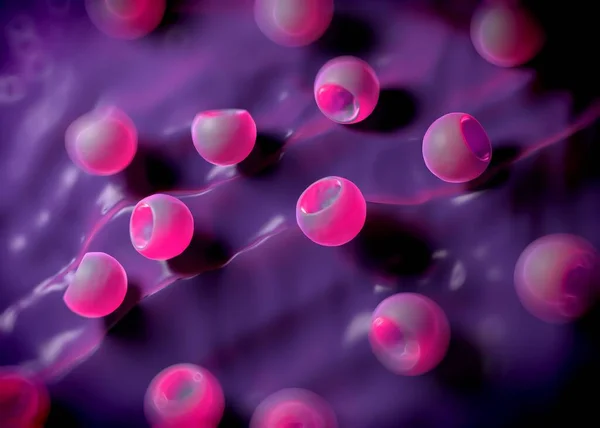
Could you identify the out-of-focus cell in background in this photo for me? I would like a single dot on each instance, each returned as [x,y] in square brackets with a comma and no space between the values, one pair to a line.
[556,277]
[102,142]
[331,211]
[184,395]
[293,408]
[346,90]
[161,227]
[293,22]
[224,137]
[505,35]
[409,334]
[24,402]
[98,287]
[456,148]
[125,19]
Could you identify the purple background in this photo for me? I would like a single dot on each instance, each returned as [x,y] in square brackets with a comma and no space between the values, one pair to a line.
[262,307]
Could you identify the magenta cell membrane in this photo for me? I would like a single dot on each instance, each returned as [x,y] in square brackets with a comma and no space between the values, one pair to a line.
[293,22]
[331,211]
[293,408]
[456,148]
[556,277]
[161,227]
[98,287]
[409,334]
[125,19]
[505,35]
[24,402]
[102,142]
[224,137]
[346,90]
[184,395]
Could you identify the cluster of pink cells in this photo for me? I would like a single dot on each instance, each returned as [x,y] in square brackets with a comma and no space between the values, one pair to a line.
[409,333]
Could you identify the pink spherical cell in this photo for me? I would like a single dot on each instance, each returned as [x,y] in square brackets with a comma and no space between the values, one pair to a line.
[456,148]
[331,211]
[224,137]
[125,19]
[293,22]
[556,277]
[98,287]
[102,142]
[161,227]
[184,395]
[409,334]
[505,35]
[293,408]
[24,402]
[346,90]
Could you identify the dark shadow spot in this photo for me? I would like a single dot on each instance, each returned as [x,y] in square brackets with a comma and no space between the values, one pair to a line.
[206,252]
[581,161]
[462,369]
[391,248]
[233,419]
[175,16]
[456,13]
[128,322]
[499,169]
[264,157]
[150,172]
[395,109]
[347,34]
[62,416]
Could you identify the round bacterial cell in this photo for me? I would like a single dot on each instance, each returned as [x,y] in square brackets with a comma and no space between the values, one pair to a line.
[24,403]
[293,408]
[346,90]
[125,19]
[224,137]
[505,35]
[409,334]
[293,22]
[331,211]
[556,277]
[161,227]
[184,395]
[102,142]
[456,148]
[98,287]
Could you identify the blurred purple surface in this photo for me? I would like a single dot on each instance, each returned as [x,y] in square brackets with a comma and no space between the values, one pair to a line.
[253,300]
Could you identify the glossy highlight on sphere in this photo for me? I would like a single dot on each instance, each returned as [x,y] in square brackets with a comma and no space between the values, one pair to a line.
[556,277]
[98,287]
[505,35]
[24,402]
[346,90]
[456,148]
[161,227]
[102,142]
[184,395]
[125,19]
[409,334]
[293,408]
[331,211]
[224,137]
[293,23]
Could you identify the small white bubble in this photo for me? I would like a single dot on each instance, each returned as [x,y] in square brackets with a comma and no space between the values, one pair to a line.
[17,243]
[458,276]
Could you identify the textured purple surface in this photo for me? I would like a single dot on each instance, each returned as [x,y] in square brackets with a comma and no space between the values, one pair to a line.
[282,312]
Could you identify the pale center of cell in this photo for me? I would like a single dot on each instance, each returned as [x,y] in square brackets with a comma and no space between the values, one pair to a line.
[337,103]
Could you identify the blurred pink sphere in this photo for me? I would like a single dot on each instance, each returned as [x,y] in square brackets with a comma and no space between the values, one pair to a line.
[125,19]
[556,277]
[98,287]
[293,22]
[293,408]
[505,35]
[161,227]
[182,396]
[331,211]
[346,90]
[456,148]
[102,142]
[409,334]
[224,137]
[24,402]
